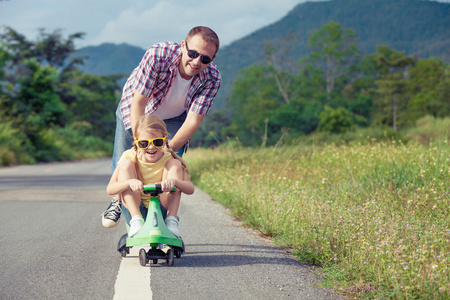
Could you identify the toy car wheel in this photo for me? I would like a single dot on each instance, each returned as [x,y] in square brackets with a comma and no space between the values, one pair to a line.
[143,259]
[177,253]
[123,252]
[170,257]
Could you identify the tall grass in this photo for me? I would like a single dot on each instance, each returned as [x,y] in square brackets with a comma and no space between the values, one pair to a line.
[375,217]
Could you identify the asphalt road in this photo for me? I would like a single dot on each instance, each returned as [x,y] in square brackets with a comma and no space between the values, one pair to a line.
[53,245]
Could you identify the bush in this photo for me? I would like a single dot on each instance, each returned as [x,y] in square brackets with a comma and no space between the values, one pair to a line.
[335,120]
[356,136]
[53,144]
[429,128]
[73,143]
[13,146]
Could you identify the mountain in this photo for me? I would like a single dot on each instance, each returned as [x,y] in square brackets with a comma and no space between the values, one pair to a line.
[110,58]
[415,26]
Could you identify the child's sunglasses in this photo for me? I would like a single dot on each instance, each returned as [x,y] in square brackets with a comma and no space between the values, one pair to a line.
[194,54]
[144,144]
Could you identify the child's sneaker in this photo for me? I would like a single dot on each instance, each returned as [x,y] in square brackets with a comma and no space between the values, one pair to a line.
[172,225]
[136,224]
[111,216]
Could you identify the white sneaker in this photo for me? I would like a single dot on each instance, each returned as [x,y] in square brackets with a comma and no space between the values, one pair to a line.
[136,224]
[172,225]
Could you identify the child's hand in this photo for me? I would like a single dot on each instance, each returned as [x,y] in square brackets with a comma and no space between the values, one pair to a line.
[167,185]
[136,185]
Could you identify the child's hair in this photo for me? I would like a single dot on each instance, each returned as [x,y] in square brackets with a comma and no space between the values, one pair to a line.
[154,123]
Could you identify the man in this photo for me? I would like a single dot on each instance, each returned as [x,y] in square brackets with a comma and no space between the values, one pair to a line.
[176,82]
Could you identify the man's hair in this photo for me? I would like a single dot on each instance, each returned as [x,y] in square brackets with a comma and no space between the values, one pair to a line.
[207,34]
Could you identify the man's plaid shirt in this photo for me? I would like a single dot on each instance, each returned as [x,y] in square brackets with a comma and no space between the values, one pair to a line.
[153,78]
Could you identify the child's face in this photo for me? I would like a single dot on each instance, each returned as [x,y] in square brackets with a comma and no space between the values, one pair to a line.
[152,154]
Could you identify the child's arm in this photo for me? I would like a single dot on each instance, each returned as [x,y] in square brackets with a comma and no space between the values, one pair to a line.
[115,187]
[176,176]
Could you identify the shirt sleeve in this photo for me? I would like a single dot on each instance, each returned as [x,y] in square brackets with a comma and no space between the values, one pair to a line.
[146,74]
[203,101]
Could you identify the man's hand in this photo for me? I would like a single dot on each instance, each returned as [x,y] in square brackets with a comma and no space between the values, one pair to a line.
[186,130]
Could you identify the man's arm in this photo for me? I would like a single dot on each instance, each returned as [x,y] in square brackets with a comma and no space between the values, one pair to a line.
[137,109]
[187,130]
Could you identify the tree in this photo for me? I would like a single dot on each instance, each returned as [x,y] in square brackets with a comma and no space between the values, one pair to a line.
[214,132]
[335,52]
[443,94]
[299,117]
[255,95]
[49,49]
[90,99]
[393,66]
[426,79]
[282,68]
[54,109]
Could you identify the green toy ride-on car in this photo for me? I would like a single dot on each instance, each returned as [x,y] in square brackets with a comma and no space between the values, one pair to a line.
[154,233]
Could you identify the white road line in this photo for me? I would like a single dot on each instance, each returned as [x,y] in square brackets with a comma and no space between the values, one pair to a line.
[133,280]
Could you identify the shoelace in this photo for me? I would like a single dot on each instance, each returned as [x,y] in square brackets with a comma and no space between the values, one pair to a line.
[113,211]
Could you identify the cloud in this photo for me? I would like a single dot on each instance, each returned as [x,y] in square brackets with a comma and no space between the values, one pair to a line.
[143,24]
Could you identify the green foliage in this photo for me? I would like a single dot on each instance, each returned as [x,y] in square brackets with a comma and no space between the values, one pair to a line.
[49,48]
[334,51]
[72,143]
[335,120]
[92,99]
[298,117]
[49,110]
[392,66]
[334,91]
[12,146]
[37,101]
[430,129]
[427,79]
[255,96]
[362,108]
[414,26]
[211,134]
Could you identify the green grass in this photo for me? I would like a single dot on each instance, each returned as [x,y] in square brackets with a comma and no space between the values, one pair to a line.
[374,217]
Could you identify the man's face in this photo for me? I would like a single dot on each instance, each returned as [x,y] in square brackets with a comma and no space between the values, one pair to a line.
[190,67]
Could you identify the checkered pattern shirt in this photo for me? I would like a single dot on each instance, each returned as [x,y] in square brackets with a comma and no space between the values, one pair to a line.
[153,78]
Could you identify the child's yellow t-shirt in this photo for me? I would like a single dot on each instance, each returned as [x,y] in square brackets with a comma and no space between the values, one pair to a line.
[150,172]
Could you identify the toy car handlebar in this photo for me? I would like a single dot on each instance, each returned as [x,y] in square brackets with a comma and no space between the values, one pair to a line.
[154,189]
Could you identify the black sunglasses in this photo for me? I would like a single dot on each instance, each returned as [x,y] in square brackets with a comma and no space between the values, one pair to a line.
[194,54]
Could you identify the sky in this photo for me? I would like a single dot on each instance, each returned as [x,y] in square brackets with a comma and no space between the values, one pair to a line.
[142,23]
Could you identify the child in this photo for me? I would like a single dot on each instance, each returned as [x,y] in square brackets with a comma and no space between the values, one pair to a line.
[145,163]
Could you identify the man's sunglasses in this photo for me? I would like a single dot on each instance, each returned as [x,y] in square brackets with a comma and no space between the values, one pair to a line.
[144,144]
[194,54]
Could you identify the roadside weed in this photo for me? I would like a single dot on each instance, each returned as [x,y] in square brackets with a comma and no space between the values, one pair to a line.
[375,217]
